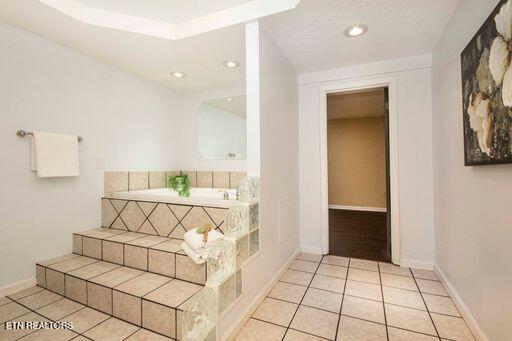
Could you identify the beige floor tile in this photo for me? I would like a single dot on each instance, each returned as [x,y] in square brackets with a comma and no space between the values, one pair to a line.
[295,335]
[146,335]
[275,311]
[363,309]
[405,335]
[453,328]
[143,284]
[364,264]
[401,282]
[173,293]
[311,257]
[394,270]
[328,283]
[72,264]
[25,293]
[111,329]
[305,266]
[297,277]
[351,329]
[402,297]
[255,330]
[431,287]
[93,270]
[363,276]
[15,334]
[335,260]
[322,299]
[173,245]
[441,305]
[288,292]
[363,290]
[81,338]
[425,274]
[148,241]
[332,270]
[85,319]
[117,276]
[410,319]
[39,299]
[11,310]
[58,259]
[126,237]
[50,335]
[59,309]
[316,322]
[5,300]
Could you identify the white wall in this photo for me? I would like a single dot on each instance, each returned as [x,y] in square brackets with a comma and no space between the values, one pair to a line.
[414,153]
[279,197]
[44,86]
[473,206]
[192,159]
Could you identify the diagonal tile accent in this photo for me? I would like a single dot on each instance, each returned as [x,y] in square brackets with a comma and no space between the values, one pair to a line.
[195,218]
[118,204]
[217,214]
[178,232]
[147,207]
[147,228]
[163,220]
[133,216]
[180,210]
[118,224]
[108,213]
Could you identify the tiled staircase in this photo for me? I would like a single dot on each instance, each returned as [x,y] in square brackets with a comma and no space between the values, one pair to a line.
[138,278]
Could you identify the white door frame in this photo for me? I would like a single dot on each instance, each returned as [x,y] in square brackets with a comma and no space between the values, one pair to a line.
[350,85]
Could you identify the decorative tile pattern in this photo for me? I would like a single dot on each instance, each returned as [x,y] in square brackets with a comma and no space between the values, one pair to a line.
[163,220]
[132,216]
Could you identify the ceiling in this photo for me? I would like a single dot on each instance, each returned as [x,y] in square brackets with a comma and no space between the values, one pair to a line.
[356,104]
[311,35]
[146,38]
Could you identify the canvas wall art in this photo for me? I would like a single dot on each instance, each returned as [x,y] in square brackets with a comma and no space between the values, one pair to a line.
[487,90]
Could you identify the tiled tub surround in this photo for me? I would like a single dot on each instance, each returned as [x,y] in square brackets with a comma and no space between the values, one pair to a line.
[160,219]
[337,298]
[130,181]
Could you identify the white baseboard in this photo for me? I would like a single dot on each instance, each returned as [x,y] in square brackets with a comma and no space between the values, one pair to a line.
[18,286]
[237,326]
[478,333]
[417,264]
[358,208]
[314,250]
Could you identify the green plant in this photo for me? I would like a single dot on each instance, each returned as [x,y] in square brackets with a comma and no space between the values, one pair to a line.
[180,183]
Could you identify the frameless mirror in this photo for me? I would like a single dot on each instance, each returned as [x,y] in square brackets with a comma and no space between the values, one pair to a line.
[222,128]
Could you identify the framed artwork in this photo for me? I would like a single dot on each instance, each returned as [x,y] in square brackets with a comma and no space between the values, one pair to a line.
[487,90]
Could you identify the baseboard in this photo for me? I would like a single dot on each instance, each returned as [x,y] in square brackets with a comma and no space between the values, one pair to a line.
[358,208]
[314,250]
[18,286]
[409,263]
[237,326]
[478,333]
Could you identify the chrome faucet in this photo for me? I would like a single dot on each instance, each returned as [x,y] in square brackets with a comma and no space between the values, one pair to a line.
[226,195]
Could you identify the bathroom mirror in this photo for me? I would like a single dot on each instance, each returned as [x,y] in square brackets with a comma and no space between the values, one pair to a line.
[222,128]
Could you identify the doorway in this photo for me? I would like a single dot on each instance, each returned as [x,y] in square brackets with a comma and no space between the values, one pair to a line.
[360,213]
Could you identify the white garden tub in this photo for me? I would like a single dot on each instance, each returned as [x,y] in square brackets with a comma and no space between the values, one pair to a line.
[198,196]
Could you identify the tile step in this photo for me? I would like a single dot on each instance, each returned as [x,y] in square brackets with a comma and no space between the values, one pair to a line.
[160,255]
[145,299]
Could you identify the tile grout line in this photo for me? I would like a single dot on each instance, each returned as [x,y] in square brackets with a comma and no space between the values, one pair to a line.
[426,307]
[342,300]
[383,304]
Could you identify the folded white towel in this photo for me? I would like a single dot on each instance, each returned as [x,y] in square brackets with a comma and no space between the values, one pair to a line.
[198,258]
[54,155]
[195,240]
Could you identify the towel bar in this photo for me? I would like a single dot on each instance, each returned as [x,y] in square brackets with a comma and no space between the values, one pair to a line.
[23,133]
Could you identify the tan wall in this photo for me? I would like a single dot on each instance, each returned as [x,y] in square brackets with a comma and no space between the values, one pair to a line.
[357,162]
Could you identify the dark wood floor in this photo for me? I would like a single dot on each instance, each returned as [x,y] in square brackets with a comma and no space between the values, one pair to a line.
[358,234]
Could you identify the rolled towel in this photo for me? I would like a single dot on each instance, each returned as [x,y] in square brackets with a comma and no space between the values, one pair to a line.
[195,240]
[198,258]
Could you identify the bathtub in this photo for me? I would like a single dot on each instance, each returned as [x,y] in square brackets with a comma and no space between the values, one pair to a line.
[198,196]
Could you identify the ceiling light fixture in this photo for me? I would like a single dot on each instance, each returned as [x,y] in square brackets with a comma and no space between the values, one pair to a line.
[355,30]
[231,64]
[229,99]
[178,74]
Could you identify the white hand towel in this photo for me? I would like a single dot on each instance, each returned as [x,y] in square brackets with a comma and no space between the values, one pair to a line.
[198,258]
[195,240]
[54,155]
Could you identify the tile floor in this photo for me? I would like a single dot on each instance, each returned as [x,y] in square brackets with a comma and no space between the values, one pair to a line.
[40,305]
[337,298]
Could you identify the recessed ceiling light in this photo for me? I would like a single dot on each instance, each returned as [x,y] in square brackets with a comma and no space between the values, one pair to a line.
[229,99]
[178,74]
[231,64]
[355,30]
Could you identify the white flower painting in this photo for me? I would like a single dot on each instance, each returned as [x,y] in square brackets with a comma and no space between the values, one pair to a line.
[487,90]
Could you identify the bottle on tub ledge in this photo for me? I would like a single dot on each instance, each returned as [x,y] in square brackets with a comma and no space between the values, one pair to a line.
[180,184]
